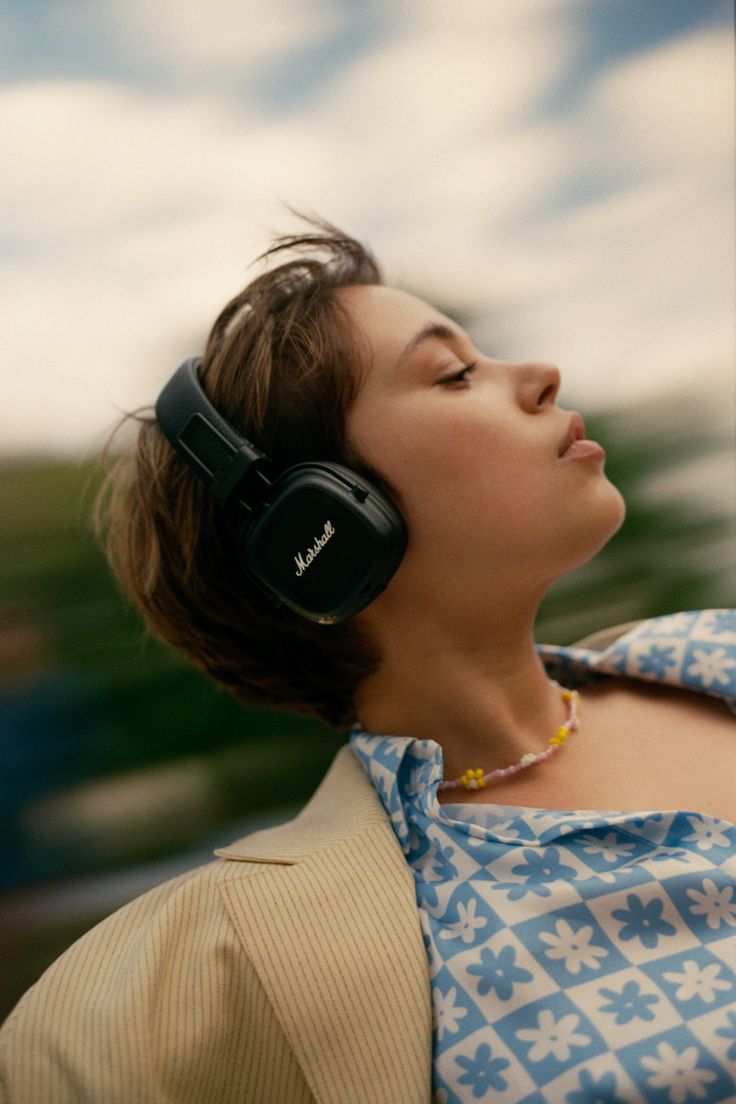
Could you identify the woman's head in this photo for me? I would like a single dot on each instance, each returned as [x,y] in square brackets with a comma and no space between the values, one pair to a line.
[472,446]
[316,360]
[282,364]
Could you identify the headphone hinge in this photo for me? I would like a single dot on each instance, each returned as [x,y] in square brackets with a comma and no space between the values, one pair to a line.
[234,471]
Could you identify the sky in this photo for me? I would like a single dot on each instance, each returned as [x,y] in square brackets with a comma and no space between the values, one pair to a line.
[559,174]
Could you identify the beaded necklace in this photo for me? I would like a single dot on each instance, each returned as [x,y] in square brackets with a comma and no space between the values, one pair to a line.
[475,779]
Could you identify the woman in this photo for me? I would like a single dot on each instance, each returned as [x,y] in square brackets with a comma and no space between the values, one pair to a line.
[400,941]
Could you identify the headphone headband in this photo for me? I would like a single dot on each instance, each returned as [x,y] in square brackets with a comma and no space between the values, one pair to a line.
[212,448]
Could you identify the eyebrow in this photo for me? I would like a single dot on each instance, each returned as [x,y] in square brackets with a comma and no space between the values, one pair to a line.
[432,331]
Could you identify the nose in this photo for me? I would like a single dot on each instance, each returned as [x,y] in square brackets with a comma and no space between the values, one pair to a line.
[536,385]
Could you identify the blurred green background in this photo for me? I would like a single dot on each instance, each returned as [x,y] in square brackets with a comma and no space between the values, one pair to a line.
[122,765]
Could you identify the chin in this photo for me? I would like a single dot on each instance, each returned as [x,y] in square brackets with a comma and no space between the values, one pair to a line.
[603,518]
[612,503]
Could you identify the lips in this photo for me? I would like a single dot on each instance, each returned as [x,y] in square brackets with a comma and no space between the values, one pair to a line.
[575,432]
[576,446]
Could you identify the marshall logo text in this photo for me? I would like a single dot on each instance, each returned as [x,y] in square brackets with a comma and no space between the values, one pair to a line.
[303,562]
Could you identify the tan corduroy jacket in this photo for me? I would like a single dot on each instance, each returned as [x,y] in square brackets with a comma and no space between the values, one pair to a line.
[290,971]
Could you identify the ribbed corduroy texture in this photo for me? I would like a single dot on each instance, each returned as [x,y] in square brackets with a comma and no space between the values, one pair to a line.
[353,992]
[293,973]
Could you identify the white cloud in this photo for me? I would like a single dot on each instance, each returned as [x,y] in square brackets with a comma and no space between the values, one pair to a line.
[218,39]
[632,295]
[441,83]
[89,155]
[133,219]
[668,104]
[133,214]
[636,290]
[242,37]
[627,292]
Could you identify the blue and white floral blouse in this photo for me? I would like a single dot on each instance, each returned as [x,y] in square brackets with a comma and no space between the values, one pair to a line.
[577,957]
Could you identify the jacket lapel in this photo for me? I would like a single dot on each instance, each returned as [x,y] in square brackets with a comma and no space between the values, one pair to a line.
[330,922]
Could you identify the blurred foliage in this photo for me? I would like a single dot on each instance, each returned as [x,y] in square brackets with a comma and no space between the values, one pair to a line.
[86,694]
[88,699]
[674,463]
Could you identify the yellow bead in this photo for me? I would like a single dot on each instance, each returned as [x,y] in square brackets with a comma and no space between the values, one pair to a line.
[562,733]
[566,695]
[554,740]
[473,778]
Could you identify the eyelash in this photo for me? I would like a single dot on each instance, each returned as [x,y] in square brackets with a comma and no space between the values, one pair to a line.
[462,376]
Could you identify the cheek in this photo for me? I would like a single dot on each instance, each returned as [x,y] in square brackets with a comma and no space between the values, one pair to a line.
[457,469]
[459,480]
[480,493]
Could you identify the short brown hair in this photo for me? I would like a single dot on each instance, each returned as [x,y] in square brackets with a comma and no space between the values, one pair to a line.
[282,364]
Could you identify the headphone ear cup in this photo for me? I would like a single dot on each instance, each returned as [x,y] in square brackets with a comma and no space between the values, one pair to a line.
[326,543]
[318,539]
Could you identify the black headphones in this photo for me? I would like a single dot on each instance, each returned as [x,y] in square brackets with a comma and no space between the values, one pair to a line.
[317,537]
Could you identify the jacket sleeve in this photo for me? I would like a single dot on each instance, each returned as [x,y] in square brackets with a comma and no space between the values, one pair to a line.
[158,1004]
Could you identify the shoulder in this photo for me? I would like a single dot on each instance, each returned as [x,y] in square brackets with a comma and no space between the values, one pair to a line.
[139,1004]
[161,1002]
[601,639]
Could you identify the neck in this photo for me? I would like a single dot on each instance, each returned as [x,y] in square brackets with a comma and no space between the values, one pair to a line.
[476,686]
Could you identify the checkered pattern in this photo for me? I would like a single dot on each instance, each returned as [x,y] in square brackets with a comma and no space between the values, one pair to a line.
[577,957]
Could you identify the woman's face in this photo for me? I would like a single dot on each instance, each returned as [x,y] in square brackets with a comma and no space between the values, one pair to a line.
[473,446]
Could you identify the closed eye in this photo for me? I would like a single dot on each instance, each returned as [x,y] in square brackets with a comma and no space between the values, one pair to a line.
[461,376]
